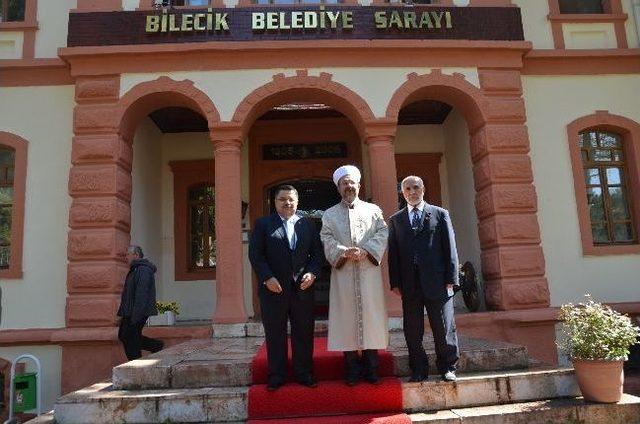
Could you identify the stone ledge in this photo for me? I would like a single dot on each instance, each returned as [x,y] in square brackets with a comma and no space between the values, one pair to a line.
[574,410]
[100,403]
[255,329]
[221,362]
[489,389]
[103,403]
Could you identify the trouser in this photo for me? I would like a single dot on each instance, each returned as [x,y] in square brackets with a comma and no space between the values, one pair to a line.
[356,366]
[134,342]
[441,320]
[277,309]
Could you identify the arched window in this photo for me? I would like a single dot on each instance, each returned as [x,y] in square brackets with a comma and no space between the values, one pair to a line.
[607,184]
[13,172]
[605,158]
[7,172]
[202,235]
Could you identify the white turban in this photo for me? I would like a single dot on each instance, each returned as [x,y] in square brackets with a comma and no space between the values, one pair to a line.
[346,170]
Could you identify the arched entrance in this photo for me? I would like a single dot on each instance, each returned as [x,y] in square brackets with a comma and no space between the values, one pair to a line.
[505,206]
[100,185]
[299,128]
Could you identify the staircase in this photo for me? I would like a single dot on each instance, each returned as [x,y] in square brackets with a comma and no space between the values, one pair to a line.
[209,380]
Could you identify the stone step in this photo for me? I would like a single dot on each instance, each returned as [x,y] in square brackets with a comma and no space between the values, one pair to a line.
[46,418]
[571,410]
[489,389]
[224,362]
[102,403]
[255,328]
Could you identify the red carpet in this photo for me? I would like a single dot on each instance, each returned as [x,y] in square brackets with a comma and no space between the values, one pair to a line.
[329,398]
[326,365]
[332,401]
[341,419]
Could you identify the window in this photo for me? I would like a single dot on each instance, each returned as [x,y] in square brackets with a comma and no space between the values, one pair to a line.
[12,10]
[605,173]
[7,166]
[194,219]
[581,6]
[202,235]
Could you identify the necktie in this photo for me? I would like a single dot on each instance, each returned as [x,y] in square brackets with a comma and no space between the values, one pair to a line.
[415,225]
[415,220]
[290,233]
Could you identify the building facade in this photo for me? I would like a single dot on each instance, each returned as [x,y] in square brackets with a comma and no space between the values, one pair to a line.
[169,126]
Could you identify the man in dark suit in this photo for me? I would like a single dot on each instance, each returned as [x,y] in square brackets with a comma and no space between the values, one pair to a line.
[423,269]
[286,255]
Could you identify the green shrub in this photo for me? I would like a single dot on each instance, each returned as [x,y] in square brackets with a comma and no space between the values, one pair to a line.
[595,331]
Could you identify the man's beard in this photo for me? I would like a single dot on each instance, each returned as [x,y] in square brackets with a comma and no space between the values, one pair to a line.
[349,195]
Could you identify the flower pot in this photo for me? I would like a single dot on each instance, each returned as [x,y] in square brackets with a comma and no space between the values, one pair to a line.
[171,317]
[157,320]
[599,381]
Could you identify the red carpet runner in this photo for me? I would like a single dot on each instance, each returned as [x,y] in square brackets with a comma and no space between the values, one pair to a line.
[332,401]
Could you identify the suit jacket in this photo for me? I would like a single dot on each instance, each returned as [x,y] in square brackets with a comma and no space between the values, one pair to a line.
[433,243]
[271,256]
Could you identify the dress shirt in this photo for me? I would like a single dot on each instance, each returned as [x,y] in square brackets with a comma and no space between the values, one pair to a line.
[420,206]
[289,228]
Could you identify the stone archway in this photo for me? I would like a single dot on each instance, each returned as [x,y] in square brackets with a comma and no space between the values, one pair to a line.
[301,88]
[100,186]
[506,204]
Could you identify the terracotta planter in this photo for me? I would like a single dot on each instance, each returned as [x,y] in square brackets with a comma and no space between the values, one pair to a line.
[599,381]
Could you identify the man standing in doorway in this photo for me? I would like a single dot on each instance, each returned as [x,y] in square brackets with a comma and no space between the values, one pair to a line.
[423,269]
[286,255]
[138,303]
[354,235]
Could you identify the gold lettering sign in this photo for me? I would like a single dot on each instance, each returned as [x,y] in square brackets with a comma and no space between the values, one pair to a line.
[187,22]
[308,19]
[412,20]
[298,20]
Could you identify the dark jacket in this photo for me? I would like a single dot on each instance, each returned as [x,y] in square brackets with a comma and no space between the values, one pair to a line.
[138,300]
[433,243]
[271,256]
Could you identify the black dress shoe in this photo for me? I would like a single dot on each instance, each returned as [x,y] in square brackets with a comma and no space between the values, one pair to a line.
[372,378]
[272,386]
[351,380]
[417,377]
[309,381]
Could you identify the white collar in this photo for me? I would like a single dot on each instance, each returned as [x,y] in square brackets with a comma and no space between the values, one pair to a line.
[294,218]
[420,207]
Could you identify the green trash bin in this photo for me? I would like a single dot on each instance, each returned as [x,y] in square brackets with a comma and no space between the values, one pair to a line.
[24,390]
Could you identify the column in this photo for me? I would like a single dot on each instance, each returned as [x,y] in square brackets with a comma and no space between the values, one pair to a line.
[384,180]
[229,283]
[100,213]
[384,188]
[513,264]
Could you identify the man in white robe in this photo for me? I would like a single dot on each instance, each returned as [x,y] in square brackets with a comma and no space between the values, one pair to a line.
[354,236]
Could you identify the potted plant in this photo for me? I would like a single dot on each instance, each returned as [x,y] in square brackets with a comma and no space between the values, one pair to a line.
[168,310]
[597,339]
